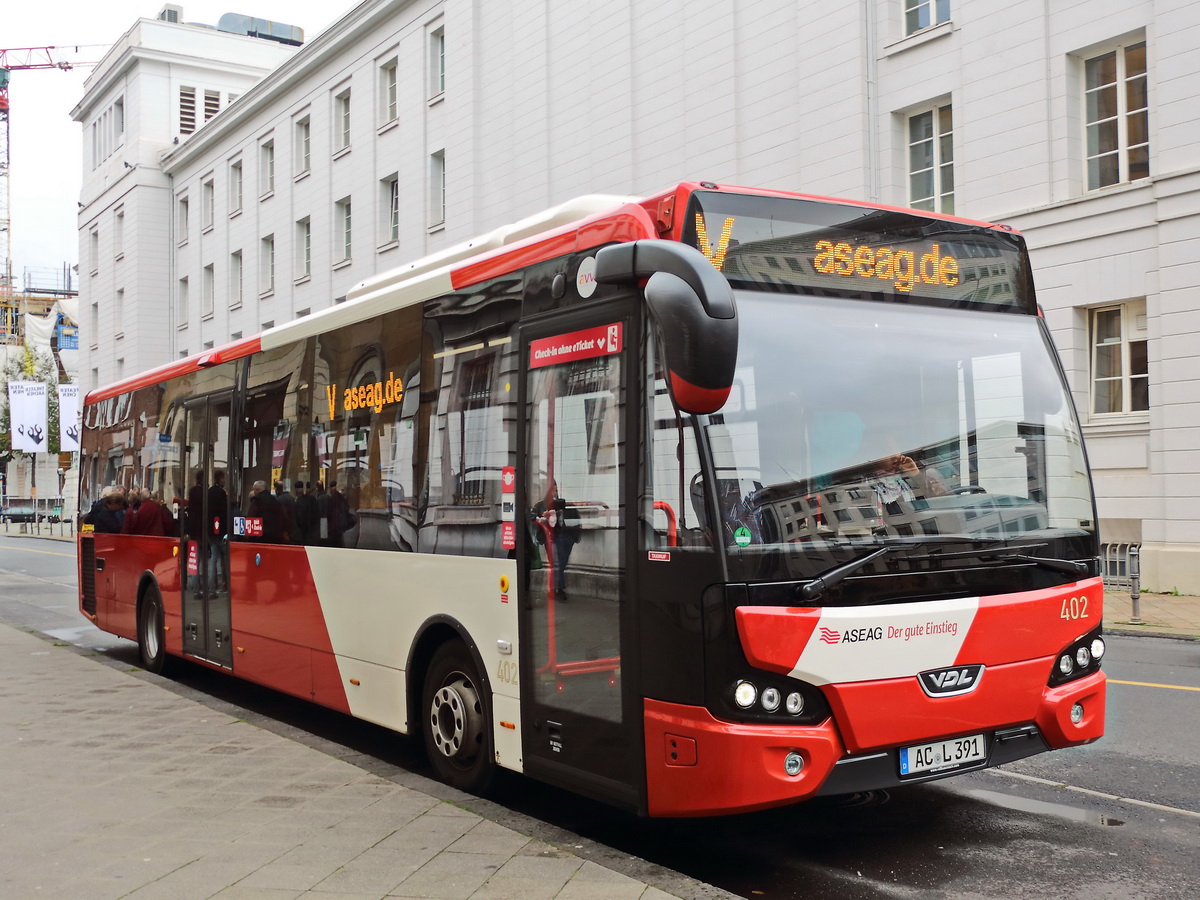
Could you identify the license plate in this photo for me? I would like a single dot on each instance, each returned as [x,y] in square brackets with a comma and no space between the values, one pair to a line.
[941,755]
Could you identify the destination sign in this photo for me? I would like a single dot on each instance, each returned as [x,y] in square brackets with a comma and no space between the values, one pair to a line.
[832,249]
[901,267]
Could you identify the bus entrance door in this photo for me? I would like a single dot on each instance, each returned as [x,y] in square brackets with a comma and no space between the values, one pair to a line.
[576,442]
[207,632]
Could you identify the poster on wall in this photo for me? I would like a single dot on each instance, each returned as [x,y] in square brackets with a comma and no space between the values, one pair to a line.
[27,416]
[68,418]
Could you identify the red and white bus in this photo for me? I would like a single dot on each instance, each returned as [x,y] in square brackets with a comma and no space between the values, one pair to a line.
[710,501]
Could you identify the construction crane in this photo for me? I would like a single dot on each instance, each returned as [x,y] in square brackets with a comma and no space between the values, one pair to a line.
[64,58]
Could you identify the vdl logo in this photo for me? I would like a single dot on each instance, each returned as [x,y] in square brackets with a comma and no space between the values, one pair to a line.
[952,681]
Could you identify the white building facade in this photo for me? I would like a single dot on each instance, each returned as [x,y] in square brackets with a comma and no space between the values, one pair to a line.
[411,125]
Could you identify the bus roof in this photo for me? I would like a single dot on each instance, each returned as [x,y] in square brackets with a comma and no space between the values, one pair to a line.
[587,221]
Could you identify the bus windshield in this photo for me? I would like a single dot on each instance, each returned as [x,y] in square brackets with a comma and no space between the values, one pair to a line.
[854,424]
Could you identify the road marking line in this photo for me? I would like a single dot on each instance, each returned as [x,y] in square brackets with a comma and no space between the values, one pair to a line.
[1091,793]
[45,552]
[1172,687]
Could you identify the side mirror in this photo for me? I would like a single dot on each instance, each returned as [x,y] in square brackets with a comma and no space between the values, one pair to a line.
[692,304]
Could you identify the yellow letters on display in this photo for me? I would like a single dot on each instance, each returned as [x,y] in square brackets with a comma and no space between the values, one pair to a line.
[366,396]
[901,267]
[716,257]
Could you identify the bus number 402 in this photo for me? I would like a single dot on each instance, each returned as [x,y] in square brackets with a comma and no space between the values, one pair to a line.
[1074,608]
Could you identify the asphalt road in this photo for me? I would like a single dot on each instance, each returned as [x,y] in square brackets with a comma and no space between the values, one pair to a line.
[1118,819]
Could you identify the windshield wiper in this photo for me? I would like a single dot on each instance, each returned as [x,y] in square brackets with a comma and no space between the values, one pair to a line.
[834,576]
[1005,554]
[1068,566]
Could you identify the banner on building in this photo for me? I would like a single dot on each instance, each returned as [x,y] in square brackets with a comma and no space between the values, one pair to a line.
[27,416]
[68,418]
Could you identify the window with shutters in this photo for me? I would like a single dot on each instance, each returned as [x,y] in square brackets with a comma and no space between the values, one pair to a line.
[187,110]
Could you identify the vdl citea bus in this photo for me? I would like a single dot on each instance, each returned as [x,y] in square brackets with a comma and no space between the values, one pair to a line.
[710,501]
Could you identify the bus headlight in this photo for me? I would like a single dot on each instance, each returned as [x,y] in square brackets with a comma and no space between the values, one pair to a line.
[1078,659]
[770,699]
[795,703]
[744,694]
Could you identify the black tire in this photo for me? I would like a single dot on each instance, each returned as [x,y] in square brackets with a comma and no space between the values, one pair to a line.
[456,719]
[152,645]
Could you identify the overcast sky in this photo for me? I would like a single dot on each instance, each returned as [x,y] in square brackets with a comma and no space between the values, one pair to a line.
[45,144]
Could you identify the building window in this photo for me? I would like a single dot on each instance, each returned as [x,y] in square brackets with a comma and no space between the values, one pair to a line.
[388,104]
[390,204]
[181,303]
[119,234]
[209,198]
[210,291]
[266,265]
[1116,101]
[341,120]
[236,280]
[303,145]
[437,188]
[184,214]
[343,219]
[1120,370]
[920,14]
[437,62]
[236,187]
[304,248]
[931,159]
[94,322]
[119,119]
[119,313]
[212,104]
[266,179]
[187,110]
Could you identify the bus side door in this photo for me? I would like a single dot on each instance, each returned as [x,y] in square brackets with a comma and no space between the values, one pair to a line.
[207,631]
[576,439]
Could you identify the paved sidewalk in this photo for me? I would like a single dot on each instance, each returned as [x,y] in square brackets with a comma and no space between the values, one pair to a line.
[113,786]
[1171,615]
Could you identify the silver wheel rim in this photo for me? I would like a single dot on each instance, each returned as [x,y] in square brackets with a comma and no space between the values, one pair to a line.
[151,630]
[454,720]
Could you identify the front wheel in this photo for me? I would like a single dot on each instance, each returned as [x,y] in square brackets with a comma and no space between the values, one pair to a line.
[151,641]
[454,709]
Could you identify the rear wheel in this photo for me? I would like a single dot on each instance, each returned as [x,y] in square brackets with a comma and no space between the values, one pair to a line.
[455,718]
[151,641]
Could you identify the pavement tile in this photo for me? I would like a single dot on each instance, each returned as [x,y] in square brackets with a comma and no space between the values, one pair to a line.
[361,879]
[518,889]
[544,868]
[237,892]
[278,875]
[592,890]
[594,882]
[450,876]
[488,837]
[198,879]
